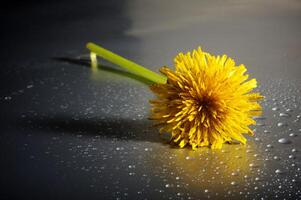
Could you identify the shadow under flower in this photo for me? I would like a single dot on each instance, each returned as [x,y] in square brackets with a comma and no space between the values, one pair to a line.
[111,128]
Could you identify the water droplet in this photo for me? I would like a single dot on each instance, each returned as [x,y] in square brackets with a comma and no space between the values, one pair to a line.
[291,157]
[276,158]
[294,150]
[252,165]
[281,124]
[292,135]
[284,141]
[275,108]
[278,171]
[269,146]
[234,174]
[29,86]
[233,183]
[206,191]
[7,98]
[284,115]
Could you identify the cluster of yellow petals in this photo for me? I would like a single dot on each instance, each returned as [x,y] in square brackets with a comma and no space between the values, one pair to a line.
[207,101]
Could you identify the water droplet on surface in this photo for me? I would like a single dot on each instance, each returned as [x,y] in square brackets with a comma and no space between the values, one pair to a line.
[284,141]
[269,146]
[206,191]
[234,174]
[284,115]
[275,108]
[292,135]
[7,98]
[29,86]
[294,150]
[233,183]
[281,124]
[291,157]
[278,171]
[252,165]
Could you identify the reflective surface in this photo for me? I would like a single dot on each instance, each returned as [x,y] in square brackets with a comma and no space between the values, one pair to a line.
[70,132]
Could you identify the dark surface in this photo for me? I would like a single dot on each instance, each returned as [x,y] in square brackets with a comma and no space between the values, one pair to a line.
[70,132]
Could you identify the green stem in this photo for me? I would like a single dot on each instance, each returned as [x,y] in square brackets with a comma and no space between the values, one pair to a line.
[126,64]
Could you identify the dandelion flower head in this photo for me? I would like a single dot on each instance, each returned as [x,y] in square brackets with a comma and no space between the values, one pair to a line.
[206,102]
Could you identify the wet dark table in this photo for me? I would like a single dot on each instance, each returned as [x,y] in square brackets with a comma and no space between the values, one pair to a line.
[71,132]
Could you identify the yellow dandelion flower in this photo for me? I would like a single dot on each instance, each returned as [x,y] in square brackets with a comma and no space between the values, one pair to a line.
[206,101]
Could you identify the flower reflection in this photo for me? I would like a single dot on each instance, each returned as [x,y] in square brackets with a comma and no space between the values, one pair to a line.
[211,170]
